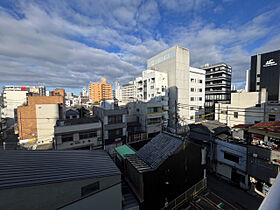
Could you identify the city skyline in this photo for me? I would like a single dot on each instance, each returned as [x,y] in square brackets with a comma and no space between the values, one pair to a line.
[69,44]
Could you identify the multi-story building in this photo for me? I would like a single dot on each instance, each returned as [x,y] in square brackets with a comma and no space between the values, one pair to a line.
[247,108]
[128,92]
[36,120]
[150,116]
[78,133]
[84,92]
[118,91]
[114,124]
[58,92]
[217,87]
[265,73]
[39,90]
[13,96]
[175,62]
[197,96]
[100,91]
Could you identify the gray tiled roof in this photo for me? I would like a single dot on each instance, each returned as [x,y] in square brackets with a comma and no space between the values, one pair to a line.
[27,168]
[159,149]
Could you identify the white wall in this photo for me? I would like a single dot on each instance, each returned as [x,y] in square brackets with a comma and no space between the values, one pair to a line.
[47,115]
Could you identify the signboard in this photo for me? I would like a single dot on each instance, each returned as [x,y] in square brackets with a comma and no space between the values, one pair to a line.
[270,62]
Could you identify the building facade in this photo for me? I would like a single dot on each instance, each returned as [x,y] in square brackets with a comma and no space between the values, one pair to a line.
[58,92]
[36,120]
[100,91]
[217,87]
[114,124]
[78,133]
[265,73]
[247,108]
[175,62]
[128,92]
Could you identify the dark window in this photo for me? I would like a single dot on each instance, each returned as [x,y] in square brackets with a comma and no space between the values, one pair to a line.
[271,117]
[66,138]
[192,89]
[88,134]
[200,81]
[154,121]
[154,109]
[231,157]
[200,98]
[114,119]
[89,188]
[191,108]
[235,114]
[200,89]
[115,133]
[192,98]
[258,105]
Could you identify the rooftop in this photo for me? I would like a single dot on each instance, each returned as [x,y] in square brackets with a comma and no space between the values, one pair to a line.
[271,126]
[19,168]
[124,150]
[159,149]
[77,121]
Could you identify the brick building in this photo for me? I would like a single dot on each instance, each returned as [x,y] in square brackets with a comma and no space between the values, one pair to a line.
[58,92]
[36,120]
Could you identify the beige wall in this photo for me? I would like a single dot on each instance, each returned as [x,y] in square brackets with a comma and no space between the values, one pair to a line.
[47,115]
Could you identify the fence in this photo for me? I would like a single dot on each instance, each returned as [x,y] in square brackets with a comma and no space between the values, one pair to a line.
[187,195]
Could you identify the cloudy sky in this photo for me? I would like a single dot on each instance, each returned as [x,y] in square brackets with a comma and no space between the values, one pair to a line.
[70,43]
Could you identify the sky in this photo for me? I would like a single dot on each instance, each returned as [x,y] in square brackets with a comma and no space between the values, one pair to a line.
[68,44]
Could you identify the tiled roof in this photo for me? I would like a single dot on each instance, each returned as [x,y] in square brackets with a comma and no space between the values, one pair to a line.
[159,149]
[242,126]
[272,126]
[20,168]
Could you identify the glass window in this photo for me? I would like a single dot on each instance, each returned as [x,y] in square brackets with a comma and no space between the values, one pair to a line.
[192,98]
[88,134]
[68,137]
[231,157]
[192,89]
[235,114]
[113,119]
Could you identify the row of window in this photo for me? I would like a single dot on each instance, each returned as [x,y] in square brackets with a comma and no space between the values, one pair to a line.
[196,98]
[196,90]
[217,97]
[154,121]
[82,135]
[196,80]
[114,119]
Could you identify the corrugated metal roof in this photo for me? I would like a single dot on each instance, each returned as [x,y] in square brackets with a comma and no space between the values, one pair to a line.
[159,149]
[26,168]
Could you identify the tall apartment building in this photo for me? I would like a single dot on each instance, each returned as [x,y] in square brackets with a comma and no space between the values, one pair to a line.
[129,92]
[118,91]
[176,63]
[100,91]
[36,120]
[217,87]
[265,73]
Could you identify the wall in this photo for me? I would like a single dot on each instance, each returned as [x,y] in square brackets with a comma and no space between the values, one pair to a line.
[27,120]
[50,196]
[110,198]
[47,115]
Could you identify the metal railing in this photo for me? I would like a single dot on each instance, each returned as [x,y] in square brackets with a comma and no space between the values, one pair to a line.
[187,195]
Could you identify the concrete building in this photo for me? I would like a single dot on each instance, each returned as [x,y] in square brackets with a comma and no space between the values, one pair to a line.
[65,180]
[13,96]
[265,73]
[37,119]
[176,63]
[100,91]
[39,90]
[58,92]
[247,108]
[118,91]
[78,133]
[150,116]
[114,124]
[84,92]
[217,87]
[128,92]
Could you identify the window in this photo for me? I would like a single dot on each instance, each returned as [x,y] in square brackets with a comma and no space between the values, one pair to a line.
[231,157]
[87,134]
[192,89]
[68,137]
[192,80]
[89,188]
[200,81]
[235,114]
[154,121]
[113,119]
[258,105]
[200,89]
[191,108]
[192,117]
[152,87]
[271,117]
[192,98]
[115,133]
[200,98]
[154,109]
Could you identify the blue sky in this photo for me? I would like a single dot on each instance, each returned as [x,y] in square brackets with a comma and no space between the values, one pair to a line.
[71,43]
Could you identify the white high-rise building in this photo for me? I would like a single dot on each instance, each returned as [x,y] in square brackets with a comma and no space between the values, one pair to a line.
[118,91]
[129,92]
[175,62]
[84,92]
